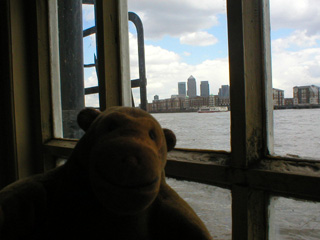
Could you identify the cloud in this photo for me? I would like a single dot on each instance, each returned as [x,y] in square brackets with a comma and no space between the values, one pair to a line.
[298,38]
[88,12]
[295,57]
[92,80]
[298,14]
[198,39]
[93,40]
[297,68]
[164,69]
[92,100]
[176,17]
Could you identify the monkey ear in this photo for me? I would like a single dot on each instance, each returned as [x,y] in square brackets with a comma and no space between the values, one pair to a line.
[170,139]
[86,117]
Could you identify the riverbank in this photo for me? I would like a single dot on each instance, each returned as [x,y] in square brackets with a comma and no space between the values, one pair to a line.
[307,106]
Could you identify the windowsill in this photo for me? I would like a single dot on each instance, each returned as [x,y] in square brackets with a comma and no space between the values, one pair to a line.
[281,176]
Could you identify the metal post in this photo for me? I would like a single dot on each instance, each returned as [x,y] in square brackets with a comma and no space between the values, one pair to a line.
[142,69]
[71,64]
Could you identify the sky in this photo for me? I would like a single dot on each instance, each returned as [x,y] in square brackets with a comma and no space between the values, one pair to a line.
[188,37]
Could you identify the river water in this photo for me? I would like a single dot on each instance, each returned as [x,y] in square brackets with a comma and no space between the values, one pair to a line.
[296,133]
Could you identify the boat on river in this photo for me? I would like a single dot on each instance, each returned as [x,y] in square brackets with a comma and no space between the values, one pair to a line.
[212,109]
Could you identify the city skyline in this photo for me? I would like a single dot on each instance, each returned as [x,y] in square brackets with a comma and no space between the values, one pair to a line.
[197,43]
[192,38]
[304,97]
[224,90]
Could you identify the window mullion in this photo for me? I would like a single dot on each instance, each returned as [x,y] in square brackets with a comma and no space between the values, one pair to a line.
[113,53]
[267,101]
[247,81]
[250,85]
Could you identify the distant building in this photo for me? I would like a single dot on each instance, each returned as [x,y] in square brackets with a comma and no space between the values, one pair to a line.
[197,102]
[156,97]
[204,89]
[192,87]
[182,92]
[167,105]
[216,100]
[224,92]
[224,95]
[224,102]
[306,95]
[278,97]
[213,100]
[288,102]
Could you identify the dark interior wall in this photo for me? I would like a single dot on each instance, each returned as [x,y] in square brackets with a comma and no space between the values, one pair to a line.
[19,99]
[7,166]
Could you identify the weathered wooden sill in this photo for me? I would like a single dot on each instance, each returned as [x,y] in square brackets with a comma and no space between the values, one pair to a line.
[288,177]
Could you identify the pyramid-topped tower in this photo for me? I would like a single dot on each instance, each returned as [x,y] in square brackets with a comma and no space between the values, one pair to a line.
[192,87]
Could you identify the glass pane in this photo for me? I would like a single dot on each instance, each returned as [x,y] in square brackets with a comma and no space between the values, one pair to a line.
[296,79]
[212,204]
[297,132]
[74,78]
[90,56]
[194,130]
[294,219]
[186,55]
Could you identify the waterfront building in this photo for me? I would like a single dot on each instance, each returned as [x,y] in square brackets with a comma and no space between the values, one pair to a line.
[216,100]
[213,100]
[192,87]
[197,102]
[173,104]
[224,102]
[278,97]
[288,102]
[306,95]
[178,104]
[204,89]
[182,92]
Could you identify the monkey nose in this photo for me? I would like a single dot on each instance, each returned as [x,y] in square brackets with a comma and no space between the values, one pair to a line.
[130,160]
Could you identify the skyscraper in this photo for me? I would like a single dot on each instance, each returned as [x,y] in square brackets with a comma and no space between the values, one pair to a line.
[182,89]
[192,87]
[204,89]
[224,92]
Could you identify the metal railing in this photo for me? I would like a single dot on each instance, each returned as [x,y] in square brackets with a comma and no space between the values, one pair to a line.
[141,82]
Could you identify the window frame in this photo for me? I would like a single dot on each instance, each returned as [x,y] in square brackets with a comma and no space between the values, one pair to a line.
[114,76]
[249,170]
